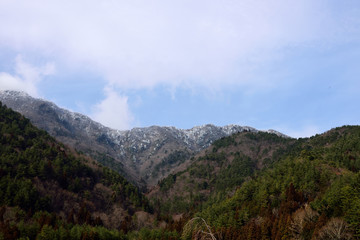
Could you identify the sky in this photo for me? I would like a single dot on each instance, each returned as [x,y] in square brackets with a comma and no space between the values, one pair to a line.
[292,66]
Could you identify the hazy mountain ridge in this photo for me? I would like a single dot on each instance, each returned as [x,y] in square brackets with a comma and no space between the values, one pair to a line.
[134,152]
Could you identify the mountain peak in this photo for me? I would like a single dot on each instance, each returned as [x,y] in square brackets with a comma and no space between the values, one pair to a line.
[135,153]
[14,93]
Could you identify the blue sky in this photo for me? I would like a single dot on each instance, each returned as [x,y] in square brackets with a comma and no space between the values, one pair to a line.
[293,66]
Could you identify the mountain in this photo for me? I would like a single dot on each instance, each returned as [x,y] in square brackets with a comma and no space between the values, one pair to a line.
[260,186]
[48,191]
[142,155]
[218,171]
[250,185]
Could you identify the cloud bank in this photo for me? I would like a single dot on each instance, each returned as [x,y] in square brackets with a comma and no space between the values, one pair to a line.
[141,44]
[26,77]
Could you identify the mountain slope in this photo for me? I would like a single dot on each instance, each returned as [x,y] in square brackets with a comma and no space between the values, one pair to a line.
[42,182]
[311,192]
[216,172]
[140,154]
[251,185]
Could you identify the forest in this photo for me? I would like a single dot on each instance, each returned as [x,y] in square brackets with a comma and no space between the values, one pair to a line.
[278,188]
[48,191]
[246,186]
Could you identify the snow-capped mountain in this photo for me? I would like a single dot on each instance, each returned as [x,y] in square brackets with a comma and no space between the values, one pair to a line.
[135,153]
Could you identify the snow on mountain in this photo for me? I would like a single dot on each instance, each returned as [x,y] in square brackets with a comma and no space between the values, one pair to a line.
[134,153]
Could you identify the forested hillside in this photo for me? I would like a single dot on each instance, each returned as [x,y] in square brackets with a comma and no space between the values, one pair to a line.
[48,191]
[246,186]
[217,172]
[312,191]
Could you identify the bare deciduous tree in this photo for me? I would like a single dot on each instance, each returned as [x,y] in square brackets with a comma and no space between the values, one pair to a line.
[336,228]
[197,228]
[300,218]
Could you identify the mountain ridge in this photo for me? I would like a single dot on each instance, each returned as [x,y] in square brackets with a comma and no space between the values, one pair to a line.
[134,153]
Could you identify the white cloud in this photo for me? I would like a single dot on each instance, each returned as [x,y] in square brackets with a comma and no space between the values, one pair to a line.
[207,44]
[26,77]
[113,111]
[141,44]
